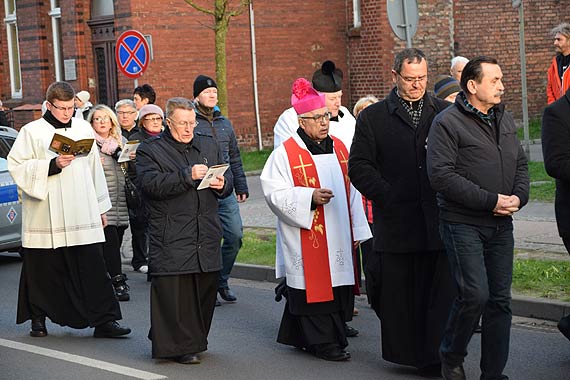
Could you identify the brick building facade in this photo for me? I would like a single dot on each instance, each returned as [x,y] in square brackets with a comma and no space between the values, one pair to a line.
[74,40]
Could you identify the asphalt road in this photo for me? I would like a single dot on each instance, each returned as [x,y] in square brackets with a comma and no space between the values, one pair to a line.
[241,345]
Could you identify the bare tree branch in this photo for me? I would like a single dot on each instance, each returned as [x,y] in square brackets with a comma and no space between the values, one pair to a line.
[199,8]
[243,4]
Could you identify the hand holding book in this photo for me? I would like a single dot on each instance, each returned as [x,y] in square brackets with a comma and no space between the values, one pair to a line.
[66,146]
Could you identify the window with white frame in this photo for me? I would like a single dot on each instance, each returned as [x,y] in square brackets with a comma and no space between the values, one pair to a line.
[13,48]
[55,14]
[356,13]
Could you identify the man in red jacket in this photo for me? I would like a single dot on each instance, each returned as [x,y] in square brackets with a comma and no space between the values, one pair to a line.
[558,73]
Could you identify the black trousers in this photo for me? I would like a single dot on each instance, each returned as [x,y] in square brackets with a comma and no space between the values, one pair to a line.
[139,232]
[112,249]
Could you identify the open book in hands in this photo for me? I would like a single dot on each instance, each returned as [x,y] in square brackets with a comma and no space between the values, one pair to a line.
[128,148]
[65,145]
[211,174]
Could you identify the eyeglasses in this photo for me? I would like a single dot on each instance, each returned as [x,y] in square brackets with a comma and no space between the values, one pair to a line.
[123,113]
[184,124]
[62,108]
[318,118]
[102,119]
[153,119]
[412,80]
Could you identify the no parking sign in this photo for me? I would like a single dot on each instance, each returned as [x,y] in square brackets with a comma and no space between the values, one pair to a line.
[132,54]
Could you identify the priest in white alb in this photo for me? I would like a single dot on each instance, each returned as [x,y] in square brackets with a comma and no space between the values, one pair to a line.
[320,220]
[64,201]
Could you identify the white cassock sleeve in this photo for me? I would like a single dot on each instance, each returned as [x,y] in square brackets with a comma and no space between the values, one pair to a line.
[28,167]
[291,204]
[360,228]
[286,126]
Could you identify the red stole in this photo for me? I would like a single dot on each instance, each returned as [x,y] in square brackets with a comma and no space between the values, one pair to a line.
[314,246]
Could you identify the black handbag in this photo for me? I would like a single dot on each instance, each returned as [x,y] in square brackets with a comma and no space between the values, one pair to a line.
[131,192]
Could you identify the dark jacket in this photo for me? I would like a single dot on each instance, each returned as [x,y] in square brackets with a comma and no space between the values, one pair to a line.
[127,134]
[556,152]
[471,162]
[183,224]
[387,165]
[222,131]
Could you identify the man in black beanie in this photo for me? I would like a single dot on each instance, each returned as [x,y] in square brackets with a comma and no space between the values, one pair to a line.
[211,122]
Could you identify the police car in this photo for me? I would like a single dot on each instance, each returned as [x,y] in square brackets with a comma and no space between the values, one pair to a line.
[10,208]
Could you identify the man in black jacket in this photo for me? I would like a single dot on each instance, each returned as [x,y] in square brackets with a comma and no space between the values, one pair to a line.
[477,166]
[555,143]
[410,282]
[184,233]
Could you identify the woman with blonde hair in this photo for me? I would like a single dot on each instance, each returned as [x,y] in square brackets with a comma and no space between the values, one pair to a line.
[362,103]
[110,143]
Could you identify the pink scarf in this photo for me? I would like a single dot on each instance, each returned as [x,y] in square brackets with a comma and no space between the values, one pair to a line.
[108,145]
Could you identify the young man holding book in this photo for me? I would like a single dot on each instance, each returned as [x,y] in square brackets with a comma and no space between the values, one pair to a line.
[64,201]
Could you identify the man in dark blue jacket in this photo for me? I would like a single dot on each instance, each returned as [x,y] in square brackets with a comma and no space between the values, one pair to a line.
[212,123]
[479,170]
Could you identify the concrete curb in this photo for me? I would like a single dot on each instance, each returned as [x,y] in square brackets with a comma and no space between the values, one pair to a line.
[522,306]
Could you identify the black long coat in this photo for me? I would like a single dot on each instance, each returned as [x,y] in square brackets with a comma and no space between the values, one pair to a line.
[556,151]
[183,223]
[387,164]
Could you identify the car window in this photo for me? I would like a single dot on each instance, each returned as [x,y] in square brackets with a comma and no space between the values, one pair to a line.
[5,146]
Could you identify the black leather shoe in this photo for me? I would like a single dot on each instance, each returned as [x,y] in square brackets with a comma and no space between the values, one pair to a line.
[564,326]
[38,327]
[110,329]
[452,372]
[227,295]
[334,354]
[189,359]
[349,331]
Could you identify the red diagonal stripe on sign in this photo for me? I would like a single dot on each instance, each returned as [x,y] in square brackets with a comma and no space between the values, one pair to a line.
[132,55]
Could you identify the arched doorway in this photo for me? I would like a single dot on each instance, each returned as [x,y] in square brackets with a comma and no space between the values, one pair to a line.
[103,42]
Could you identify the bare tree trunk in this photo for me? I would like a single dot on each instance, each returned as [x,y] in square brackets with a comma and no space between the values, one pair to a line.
[221,77]
[222,15]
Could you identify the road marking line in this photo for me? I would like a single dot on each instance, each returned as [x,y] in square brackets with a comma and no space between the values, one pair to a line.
[82,360]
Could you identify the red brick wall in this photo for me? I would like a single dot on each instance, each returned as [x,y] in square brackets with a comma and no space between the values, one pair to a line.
[497,24]
[460,27]
[290,42]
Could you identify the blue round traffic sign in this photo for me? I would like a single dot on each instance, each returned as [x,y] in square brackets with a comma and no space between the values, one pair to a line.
[132,54]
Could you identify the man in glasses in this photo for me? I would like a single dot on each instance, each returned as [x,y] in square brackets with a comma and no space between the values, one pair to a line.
[411,288]
[212,123]
[184,231]
[328,81]
[320,219]
[127,114]
[64,201]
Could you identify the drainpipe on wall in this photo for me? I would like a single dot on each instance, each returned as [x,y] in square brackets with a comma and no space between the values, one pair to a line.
[254,73]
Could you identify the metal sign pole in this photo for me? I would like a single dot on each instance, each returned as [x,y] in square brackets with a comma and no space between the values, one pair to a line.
[524,95]
[407,25]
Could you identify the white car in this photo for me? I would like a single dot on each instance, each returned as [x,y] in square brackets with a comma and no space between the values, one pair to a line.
[10,207]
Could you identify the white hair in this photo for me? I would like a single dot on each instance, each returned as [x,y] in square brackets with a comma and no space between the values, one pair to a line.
[458,59]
